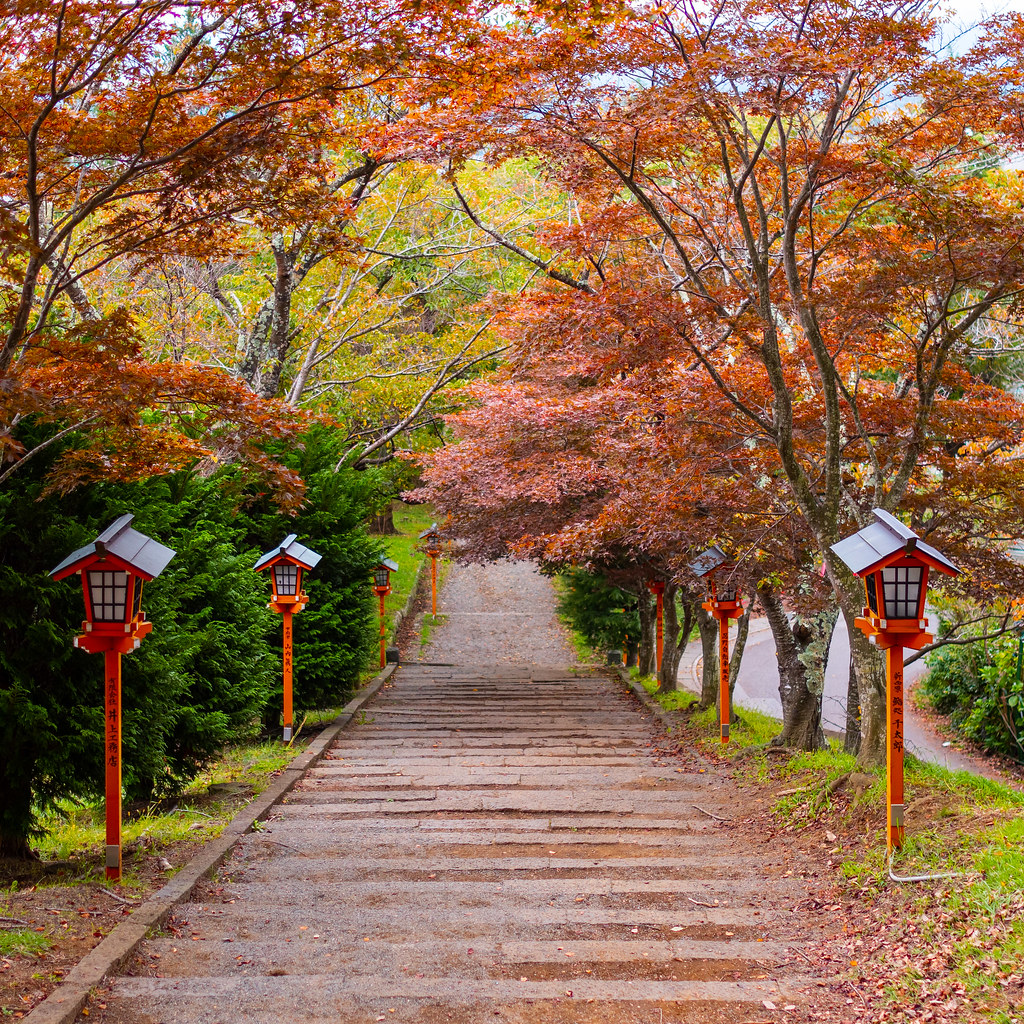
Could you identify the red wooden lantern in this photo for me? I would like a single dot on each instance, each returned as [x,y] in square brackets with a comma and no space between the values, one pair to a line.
[113,568]
[285,566]
[432,546]
[724,603]
[894,564]
[382,587]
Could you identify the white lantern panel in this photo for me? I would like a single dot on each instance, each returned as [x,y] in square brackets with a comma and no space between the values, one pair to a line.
[902,587]
[286,579]
[108,595]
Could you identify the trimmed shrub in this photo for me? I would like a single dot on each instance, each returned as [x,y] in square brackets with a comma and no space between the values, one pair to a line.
[978,685]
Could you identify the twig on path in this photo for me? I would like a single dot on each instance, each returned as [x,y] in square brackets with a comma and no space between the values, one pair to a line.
[120,899]
[717,817]
[858,995]
[274,842]
[295,735]
[793,949]
[11,922]
[697,903]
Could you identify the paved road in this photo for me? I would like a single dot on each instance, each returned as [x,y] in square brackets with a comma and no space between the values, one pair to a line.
[492,843]
[758,688]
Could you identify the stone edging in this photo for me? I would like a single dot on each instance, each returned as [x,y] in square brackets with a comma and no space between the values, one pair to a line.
[644,697]
[422,576]
[63,1005]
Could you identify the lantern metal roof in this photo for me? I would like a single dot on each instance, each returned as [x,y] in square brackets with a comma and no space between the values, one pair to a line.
[708,561]
[135,551]
[389,564]
[884,541]
[291,550]
[431,530]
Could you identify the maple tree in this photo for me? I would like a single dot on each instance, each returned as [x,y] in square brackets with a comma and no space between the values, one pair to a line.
[368,311]
[139,129]
[783,196]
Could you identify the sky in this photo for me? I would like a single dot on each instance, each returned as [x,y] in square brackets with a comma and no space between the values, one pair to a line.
[970,11]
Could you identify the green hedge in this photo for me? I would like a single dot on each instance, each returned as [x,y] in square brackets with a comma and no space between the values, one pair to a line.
[979,687]
[210,672]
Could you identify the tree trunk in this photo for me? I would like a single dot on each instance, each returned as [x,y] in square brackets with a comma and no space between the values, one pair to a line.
[648,659]
[851,744]
[384,522]
[676,637]
[802,653]
[869,665]
[708,626]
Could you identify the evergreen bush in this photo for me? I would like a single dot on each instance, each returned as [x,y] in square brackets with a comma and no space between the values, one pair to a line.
[210,672]
[604,615]
[978,685]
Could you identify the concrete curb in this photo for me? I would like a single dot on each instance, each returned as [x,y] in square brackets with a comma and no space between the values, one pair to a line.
[422,576]
[63,1005]
[665,717]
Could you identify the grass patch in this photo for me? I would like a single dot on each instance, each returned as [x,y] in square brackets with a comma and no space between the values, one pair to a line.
[955,943]
[22,942]
[670,700]
[403,547]
[200,813]
[428,625]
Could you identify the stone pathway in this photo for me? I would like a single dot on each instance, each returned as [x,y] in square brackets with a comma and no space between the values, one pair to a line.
[498,614]
[492,843]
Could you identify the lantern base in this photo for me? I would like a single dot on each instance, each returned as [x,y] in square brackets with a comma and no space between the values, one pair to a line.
[724,609]
[883,639]
[96,642]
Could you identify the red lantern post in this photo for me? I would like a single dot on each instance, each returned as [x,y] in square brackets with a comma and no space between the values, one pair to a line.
[382,587]
[113,568]
[657,587]
[285,566]
[433,550]
[724,603]
[893,562]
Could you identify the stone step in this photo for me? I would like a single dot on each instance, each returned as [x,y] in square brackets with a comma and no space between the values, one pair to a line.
[349,839]
[313,953]
[340,892]
[302,996]
[312,868]
[603,920]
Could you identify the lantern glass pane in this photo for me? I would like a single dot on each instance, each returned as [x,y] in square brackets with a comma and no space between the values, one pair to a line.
[902,586]
[108,595]
[286,578]
[869,584]
[137,598]
[380,577]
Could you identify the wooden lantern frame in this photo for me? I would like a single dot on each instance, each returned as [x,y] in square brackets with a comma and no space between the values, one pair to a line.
[292,559]
[724,602]
[887,546]
[382,587]
[130,558]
